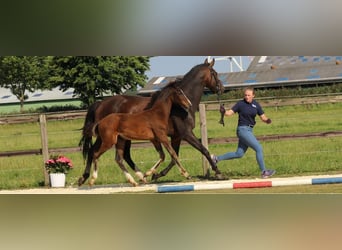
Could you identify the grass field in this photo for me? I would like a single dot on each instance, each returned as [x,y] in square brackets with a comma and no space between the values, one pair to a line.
[288,157]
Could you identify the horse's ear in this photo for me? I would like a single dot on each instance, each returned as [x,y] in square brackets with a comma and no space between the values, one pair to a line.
[212,62]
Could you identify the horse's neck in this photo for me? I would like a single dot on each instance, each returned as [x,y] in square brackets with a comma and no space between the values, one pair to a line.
[194,91]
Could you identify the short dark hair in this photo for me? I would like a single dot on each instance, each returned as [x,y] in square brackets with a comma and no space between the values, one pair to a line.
[249,88]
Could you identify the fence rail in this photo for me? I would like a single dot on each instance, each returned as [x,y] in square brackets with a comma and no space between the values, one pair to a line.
[25,118]
[286,101]
[43,118]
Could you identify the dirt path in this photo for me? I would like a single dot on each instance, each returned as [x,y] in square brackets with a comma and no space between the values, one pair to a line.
[152,188]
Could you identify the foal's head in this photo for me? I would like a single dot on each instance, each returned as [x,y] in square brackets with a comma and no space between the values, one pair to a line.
[174,94]
[179,98]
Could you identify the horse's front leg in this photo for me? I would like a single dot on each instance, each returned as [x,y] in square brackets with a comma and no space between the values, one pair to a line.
[193,141]
[159,148]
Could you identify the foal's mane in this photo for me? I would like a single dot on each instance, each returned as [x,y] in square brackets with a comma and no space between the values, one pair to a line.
[157,94]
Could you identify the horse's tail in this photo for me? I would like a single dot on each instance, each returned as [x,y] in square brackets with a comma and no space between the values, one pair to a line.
[95,130]
[86,141]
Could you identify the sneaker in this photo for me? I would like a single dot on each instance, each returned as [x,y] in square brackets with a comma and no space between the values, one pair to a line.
[267,173]
[214,158]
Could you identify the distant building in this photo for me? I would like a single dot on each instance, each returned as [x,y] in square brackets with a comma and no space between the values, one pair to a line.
[6,97]
[272,71]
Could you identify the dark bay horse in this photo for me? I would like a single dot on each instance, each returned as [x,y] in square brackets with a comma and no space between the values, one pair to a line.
[181,123]
[150,124]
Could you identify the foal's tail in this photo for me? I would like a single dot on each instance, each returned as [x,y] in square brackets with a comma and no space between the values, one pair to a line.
[86,141]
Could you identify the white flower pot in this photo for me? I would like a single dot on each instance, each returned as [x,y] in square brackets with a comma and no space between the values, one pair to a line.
[57,180]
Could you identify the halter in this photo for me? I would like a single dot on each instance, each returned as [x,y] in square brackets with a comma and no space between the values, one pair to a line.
[217,81]
[213,75]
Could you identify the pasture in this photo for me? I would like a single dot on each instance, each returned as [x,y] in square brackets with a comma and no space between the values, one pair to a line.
[307,156]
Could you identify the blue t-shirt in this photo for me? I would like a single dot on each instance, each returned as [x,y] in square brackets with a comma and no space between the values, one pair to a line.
[247,112]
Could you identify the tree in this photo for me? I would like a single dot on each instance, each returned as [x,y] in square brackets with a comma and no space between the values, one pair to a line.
[23,73]
[94,76]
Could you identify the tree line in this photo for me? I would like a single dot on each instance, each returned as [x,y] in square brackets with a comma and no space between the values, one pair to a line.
[91,77]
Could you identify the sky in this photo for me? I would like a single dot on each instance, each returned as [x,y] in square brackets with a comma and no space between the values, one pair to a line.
[180,65]
[167,66]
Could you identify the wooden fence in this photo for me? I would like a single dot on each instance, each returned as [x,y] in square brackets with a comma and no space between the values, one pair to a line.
[43,118]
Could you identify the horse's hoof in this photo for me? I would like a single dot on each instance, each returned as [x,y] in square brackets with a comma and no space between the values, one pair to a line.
[219,177]
[207,175]
[144,180]
[80,181]
[155,177]
[189,177]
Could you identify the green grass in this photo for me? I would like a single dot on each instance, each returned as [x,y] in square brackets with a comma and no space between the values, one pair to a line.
[288,157]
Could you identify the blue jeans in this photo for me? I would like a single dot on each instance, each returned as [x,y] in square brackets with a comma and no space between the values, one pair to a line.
[246,139]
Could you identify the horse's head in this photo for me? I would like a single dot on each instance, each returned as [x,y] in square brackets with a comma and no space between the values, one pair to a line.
[210,77]
[179,98]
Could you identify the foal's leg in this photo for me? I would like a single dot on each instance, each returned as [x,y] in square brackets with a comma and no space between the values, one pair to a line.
[86,172]
[125,146]
[99,149]
[90,158]
[175,158]
[101,145]
[175,143]
[119,161]
[160,150]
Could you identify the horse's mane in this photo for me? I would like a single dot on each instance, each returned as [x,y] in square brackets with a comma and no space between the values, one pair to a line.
[193,70]
[177,83]
[157,94]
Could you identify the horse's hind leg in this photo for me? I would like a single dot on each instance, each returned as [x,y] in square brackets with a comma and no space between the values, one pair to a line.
[159,149]
[90,158]
[126,146]
[119,161]
[99,149]
[86,172]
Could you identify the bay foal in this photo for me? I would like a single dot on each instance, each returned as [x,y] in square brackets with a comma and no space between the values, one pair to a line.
[151,124]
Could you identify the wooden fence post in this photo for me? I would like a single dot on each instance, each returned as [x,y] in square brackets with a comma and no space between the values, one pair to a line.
[45,149]
[204,137]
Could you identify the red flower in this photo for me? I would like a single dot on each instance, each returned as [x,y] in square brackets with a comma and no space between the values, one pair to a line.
[58,164]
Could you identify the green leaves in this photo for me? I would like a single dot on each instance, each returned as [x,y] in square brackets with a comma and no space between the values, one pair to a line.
[94,76]
[90,76]
[23,73]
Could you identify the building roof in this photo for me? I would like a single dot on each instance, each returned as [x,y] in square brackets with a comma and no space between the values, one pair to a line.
[272,71]
[7,97]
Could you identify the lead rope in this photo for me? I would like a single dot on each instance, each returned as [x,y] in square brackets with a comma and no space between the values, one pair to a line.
[222,109]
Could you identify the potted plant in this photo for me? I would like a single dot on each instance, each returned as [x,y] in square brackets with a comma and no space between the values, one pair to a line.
[57,167]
